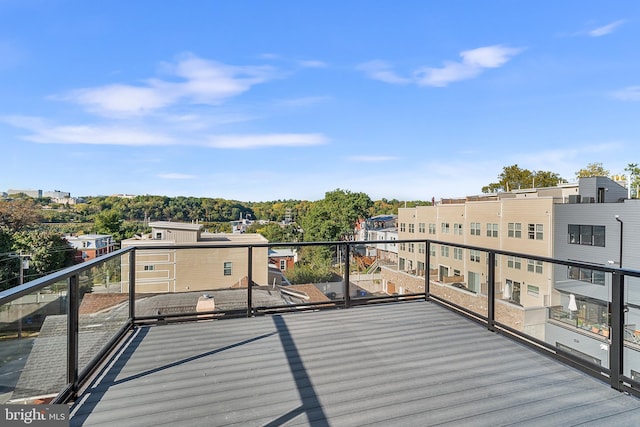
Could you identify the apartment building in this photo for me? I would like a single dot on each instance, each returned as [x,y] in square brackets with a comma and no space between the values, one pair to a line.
[90,246]
[382,228]
[604,231]
[185,270]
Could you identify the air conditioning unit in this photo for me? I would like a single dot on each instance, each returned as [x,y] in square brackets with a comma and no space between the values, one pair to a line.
[574,198]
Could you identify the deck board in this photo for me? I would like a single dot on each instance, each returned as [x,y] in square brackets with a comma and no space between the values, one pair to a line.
[394,364]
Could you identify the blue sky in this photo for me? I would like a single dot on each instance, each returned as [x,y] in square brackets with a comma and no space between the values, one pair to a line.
[266,100]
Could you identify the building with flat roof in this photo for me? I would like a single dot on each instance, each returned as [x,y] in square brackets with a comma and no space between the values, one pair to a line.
[166,270]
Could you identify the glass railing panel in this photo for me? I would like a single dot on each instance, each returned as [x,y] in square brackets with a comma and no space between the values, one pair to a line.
[523,294]
[103,307]
[33,346]
[459,276]
[578,313]
[631,352]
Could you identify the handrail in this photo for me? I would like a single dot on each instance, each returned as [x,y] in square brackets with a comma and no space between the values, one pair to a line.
[76,376]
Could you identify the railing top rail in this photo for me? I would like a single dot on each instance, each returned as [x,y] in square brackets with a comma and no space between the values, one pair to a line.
[16,292]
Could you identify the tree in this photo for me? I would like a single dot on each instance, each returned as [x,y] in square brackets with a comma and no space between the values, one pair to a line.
[19,214]
[634,173]
[334,217]
[513,178]
[592,169]
[49,251]
[108,222]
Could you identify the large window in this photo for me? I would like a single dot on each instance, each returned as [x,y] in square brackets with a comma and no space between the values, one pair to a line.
[457,253]
[536,231]
[457,229]
[492,230]
[444,228]
[475,228]
[514,229]
[444,251]
[590,235]
[403,226]
[421,227]
[514,262]
[586,275]
[474,255]
[412,228]
[534,266]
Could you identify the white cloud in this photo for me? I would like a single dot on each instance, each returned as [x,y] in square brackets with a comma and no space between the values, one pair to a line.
[381,70]
[372,159]
[97,135]
[630,93]
[193,79]
[266,140]
[473,63]
[175,175]
[304,101]
[312,64]
[606,29]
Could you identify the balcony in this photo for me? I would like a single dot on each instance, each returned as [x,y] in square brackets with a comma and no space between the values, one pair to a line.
[266,355]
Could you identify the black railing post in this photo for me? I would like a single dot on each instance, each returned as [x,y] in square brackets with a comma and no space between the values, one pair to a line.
[132,287]
[72,334]
[427,266]
[250,281]
[347,295]
[616,349]
[491,291]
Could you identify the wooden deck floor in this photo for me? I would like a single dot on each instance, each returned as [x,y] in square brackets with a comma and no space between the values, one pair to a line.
[404,364]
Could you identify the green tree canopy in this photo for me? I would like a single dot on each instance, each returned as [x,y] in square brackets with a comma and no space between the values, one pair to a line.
[592,169]
[514,178]
[334,217]
[108,222]
[19,214]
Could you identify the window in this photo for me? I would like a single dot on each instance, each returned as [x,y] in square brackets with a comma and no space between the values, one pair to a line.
[536,231]
[591,235]
[421,227]
[457,253]
[456,273]
[534,266]
[474,255]
[432,229]
[149,267]
[411,247]
[514,229]
[475,228]
[420,268]
[512,291]
[492,230]
[586,275]
[403,246]
[228,268]
[444,227]
[158,236]
[283,264]
[514,262]
[432,250]
[473,284]
[532,290]
[422,248]
[457,229]
[444,251]
[401,264]
[412,228]
[402,226]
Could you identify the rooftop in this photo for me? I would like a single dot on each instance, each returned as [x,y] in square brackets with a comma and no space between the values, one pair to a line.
[412,363]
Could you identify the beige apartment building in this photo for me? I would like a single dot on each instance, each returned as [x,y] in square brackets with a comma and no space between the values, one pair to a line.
[519,221]
[194,269]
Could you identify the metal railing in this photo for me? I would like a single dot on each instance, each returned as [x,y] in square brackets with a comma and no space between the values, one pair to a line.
[82,313]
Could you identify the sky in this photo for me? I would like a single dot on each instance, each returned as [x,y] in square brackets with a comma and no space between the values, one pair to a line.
[290,99]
